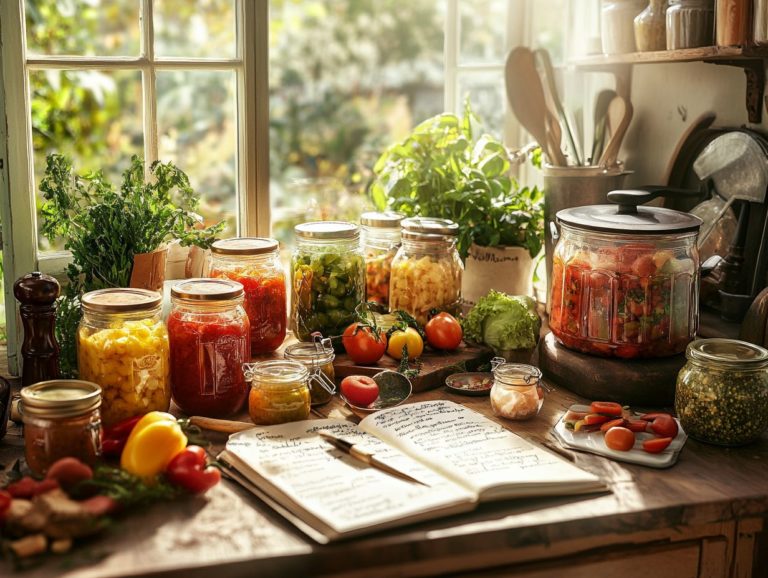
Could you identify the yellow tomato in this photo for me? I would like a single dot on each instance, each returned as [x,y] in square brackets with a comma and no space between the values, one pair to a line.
[153,443]
[410,338]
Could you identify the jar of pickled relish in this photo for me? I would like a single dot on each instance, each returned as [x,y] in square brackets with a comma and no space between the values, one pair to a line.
[254,262]
[427,269]
[210,340]
[380,239]
[122,345]
[318,358]
[279,392]
[328,278]
[61,419]
[517,392]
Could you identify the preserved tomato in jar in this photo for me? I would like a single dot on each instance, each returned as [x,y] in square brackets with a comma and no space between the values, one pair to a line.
[210,340]
[254,263]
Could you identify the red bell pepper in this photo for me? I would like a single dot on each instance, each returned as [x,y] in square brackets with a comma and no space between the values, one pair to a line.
[113,438]
[188,470]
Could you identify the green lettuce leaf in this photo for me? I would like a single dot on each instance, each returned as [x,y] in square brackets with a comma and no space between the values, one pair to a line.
[503,322]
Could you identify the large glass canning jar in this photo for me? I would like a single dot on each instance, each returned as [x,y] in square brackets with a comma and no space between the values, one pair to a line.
[380,240]
[254,262]
[122,345]
[210,340]
[328,278]
[426,272]
[625,279]
[722,392]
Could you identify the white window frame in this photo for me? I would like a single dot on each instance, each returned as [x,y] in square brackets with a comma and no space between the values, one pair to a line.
[17,182]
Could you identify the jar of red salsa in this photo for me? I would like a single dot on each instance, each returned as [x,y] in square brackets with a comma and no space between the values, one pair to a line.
[254,262]
[210,340]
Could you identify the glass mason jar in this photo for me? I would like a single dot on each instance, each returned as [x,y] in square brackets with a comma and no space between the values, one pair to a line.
[517,392]
[122,345]
[380,239]
[279,391]
[61,419]
[318,358]
[617,19]
[254,262]
[651,27]
[328,278]
[690,24]
[721,395]
[210,340]
[427,269]
[760,19]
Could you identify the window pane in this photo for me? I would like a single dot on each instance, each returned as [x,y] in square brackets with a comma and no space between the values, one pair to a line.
[93,116]
[83,27]
[204,28]
[486,93]
[483,31]
[196,112]
[548,32]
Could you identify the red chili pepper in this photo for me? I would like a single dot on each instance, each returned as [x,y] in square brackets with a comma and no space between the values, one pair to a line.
[113,438]
[188,470]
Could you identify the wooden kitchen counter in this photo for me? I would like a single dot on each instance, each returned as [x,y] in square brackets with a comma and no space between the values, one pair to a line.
[705,516]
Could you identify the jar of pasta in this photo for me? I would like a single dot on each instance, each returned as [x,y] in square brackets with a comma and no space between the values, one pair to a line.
[426,271]
[380,239]
[210,340]
[328,278]
[122,345]
[254,262]
[61,419]
[279,392]
[517,392]
[318,358]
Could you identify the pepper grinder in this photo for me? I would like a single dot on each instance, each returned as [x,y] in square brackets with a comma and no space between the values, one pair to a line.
[37,294]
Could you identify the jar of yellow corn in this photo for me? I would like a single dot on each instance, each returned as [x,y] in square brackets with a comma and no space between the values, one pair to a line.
[122,345]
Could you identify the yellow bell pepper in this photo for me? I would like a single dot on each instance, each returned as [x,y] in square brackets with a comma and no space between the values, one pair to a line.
[154,441]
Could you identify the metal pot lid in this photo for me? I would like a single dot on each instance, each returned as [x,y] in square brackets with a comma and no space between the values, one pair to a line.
[245,246]
[207,290]
[430,226]
[327,230]
[728,352]
[626,216]
[386,220]
[121,300]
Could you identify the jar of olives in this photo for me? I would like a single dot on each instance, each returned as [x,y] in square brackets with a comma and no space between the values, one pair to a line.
[380,240]
[722,391]
[279,391]
[318,358]
[327,278]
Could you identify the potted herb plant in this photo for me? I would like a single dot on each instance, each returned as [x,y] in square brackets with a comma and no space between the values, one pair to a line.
[441,170]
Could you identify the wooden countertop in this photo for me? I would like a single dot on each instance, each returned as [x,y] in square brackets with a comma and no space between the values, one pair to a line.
[707,492]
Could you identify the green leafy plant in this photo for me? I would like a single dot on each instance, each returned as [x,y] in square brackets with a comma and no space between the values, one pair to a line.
[440,170]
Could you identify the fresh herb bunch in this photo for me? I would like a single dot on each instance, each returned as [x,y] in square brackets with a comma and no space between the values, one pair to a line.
[441,171]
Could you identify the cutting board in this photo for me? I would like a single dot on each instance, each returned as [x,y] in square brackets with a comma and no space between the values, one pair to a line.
[436,365]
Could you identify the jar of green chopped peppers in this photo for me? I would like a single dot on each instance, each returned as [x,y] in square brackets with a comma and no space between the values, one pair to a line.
[722,391]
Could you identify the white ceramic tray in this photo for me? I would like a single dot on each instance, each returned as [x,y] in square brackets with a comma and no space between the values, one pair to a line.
[593,442]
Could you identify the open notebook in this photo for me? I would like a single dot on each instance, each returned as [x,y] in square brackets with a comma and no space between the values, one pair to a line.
[461,456]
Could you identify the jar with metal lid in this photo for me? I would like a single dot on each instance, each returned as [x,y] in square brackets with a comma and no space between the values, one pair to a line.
[318,358]
[61,419]
[690,24]
[122,345]
[427,269]
[279,392]
[617,18]
[254,262]
[721,395]
[381,239]
[328,278]
[210,340]
[517,392]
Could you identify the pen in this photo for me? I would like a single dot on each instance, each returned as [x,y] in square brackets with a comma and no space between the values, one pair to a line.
[366,457]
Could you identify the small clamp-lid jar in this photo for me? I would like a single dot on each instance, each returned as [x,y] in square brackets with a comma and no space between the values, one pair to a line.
[318,358]
[279,391]
[517,391]
[61,419]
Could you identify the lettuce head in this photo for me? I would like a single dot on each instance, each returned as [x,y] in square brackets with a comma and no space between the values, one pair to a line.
[503,322]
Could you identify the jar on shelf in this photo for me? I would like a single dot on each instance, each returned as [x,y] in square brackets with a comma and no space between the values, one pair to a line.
[517,392]
[61,419]
[327,278]
[122,345]
[380,239]
[279,392]
[617,18]
[651,27]
[210,340]
[732,21]
[254,262]
[318,358]
[690,24]
[427,269]
[721,395]
[760,20]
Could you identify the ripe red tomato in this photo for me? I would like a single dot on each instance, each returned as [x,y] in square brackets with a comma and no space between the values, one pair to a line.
[620,439]
[360,390]
[363,344]
[637,425]
[620,422]
[443,331]
[656,445]
[606,408]
[663,426]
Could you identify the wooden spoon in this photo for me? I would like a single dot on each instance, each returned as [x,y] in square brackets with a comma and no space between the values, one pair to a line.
[620,114]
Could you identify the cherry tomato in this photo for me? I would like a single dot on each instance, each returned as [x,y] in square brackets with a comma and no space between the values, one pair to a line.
[637,425]
[613,423]
[663,426]
[443,331]
[656,445]
[364,344]
[409,338]
[620,439]
[360,390]
[188,470]
[606,408]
